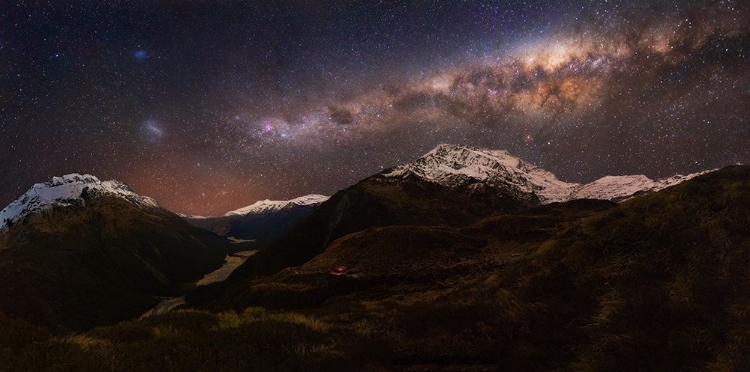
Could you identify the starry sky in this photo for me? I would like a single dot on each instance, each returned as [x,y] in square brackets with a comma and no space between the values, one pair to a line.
[209,106]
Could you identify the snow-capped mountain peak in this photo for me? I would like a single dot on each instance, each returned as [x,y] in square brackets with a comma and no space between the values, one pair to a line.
[270,206]
[68,190]
[618,188]
[458,165]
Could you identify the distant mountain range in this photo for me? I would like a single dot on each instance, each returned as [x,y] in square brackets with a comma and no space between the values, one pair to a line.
[466,259]
[658,282]
[451,185]
[262,222]
[70,244]
[456,166]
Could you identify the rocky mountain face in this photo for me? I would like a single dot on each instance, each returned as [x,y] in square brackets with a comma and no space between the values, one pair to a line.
[69,190]
[457,166]
[78,252]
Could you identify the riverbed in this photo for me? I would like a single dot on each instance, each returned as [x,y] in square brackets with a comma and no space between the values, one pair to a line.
[231,262]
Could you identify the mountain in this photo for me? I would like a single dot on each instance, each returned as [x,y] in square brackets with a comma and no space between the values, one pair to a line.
[274,206]
[458,166]
[261,222]
[451,185]
[658,282]
[77,252]
[399,196]
[69,190]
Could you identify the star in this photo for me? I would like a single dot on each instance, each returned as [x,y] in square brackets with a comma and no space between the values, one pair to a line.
[318,96]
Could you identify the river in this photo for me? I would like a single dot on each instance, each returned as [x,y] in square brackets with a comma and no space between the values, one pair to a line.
[231,262]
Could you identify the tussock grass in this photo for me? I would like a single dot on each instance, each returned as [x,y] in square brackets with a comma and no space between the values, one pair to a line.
[86,342]
[657,283]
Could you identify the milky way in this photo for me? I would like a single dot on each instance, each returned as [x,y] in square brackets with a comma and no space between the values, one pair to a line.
[209,107]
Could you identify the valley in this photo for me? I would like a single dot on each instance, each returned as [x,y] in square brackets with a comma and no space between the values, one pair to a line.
[375,186]
[460,261]
[231,263]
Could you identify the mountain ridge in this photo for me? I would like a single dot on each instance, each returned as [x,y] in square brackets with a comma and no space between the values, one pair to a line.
[450,165]
[403,272]
[456,165]
[452,185]
[80,253]
[70,189]
[270,206]
[260,223]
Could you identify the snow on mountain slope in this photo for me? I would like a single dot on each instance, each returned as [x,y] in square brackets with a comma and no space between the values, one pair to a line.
[453,165]
[271,206]
[261,222]
[618,188]
[456,165]
[66,191]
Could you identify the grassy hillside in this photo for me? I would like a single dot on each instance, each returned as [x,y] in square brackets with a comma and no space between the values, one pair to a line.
[375,202]
[77,267]
[658,283]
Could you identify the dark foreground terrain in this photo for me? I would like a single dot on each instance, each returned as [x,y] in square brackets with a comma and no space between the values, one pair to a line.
[657,283]
[77,267]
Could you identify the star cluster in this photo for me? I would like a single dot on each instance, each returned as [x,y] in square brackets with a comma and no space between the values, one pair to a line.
[210,106]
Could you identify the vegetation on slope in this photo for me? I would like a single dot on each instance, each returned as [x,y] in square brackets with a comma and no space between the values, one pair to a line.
[657,283]
[374,202]
[73,268]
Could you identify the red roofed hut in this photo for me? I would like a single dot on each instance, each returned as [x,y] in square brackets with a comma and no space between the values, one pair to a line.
[339,270]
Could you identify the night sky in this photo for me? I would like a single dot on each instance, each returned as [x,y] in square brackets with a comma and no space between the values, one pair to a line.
[210,106]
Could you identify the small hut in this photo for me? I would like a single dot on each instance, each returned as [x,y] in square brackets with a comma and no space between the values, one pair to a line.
[339,270]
